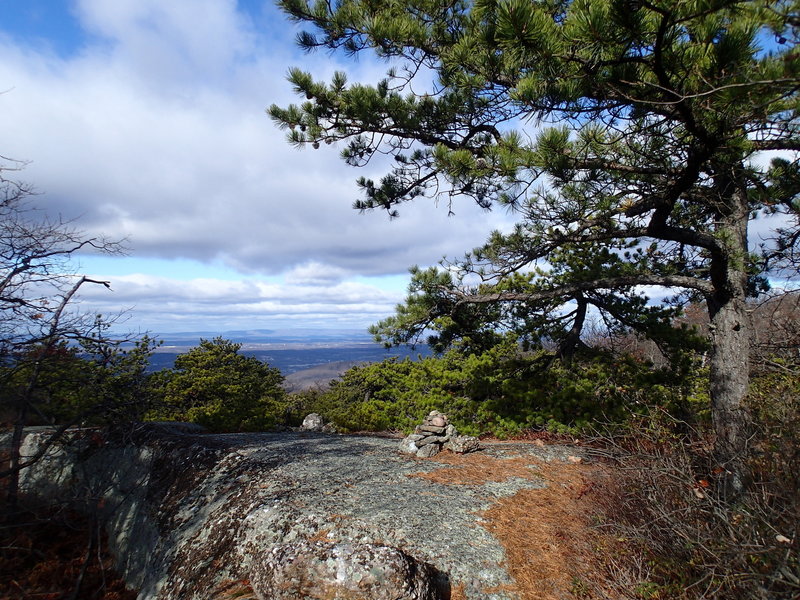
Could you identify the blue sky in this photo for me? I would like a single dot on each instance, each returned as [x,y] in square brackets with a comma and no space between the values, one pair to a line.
[144,120]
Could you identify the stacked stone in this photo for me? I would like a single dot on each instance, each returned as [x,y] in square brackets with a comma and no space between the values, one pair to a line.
[435,434]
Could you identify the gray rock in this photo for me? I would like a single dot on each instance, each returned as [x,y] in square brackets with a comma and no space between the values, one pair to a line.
[430,429]
[322,570]
[329,428]
[436,419]
[312,422]
[185,513]
[429,450]
[428,439]
[461,444]
[408,446]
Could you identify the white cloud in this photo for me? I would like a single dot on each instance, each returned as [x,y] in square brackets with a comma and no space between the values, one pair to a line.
[167,304]
[153,130]
[156,132]
[315,273]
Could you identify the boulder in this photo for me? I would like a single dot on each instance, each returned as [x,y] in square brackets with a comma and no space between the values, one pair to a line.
[461,444]
[429,450]
[324,570]
[408,445]
[312,422]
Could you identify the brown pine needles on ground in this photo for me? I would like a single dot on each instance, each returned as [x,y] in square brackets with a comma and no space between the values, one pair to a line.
[552,550]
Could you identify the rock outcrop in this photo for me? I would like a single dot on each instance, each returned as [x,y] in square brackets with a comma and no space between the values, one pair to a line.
[187,513]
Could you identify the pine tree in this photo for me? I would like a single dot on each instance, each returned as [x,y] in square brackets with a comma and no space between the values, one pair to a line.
[625,133]
[217,387]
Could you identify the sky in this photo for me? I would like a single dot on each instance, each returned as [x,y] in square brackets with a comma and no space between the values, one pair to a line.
[144,120]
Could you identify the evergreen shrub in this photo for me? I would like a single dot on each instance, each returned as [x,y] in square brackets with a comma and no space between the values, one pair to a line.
[500,391]
[216,387]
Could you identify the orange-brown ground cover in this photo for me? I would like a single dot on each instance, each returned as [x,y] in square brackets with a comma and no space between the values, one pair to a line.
[553,552]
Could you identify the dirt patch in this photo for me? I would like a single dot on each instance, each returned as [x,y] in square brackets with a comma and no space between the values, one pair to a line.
[552,550]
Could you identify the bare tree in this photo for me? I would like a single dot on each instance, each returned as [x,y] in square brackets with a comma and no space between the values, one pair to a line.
[38,287]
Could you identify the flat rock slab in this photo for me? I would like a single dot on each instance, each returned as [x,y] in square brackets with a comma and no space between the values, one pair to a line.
[212,507]
[430,429]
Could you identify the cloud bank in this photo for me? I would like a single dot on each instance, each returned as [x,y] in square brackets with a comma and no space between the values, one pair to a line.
[151,127]
[155,131]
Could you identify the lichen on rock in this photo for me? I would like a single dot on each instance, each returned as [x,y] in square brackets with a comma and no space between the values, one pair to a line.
[320,569]
[186,513]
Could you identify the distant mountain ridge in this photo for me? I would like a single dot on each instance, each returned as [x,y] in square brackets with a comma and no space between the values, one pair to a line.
[318,377]
[315,355]
[270,336]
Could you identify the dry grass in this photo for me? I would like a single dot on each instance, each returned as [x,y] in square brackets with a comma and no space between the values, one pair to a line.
[233,590]
[552,550]
[476,469]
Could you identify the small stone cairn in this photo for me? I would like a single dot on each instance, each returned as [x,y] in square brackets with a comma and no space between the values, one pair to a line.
[437,434]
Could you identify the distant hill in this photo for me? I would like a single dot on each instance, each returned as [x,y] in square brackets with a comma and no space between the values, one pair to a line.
[270,336]
[306,357]
[319,376]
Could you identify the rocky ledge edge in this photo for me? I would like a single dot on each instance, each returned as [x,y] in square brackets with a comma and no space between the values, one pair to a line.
[292,515]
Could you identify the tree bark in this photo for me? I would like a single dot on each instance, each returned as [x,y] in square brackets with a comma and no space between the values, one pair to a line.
[730,377]
[730,348]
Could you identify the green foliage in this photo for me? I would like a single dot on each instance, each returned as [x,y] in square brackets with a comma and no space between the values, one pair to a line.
[500,391]
[215,386]
[94,383]
[58,390]
[625,136]
[118,375]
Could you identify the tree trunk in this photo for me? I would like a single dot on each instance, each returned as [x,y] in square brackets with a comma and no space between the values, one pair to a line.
[730,377]
[730,345]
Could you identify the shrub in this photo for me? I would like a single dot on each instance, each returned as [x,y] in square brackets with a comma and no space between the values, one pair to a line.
[215,386]
[683,538]
[500,391]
